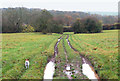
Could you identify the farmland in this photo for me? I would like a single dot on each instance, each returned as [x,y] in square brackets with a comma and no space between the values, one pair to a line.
[18,47]
[100,48]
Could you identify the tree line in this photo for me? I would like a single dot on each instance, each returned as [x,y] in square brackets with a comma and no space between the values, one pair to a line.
[24,20]
[36,20]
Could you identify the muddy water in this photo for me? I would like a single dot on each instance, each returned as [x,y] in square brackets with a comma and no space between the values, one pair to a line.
[75,63]
[50,67]
[68,68]
[68,65]
[87,67]
[56,47]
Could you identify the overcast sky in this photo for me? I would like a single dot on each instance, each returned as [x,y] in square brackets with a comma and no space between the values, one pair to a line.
[65,5]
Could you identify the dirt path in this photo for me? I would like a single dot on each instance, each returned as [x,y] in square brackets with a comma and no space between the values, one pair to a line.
[50,67]
[67,69]
[68,63]
[74,62]
[87,67]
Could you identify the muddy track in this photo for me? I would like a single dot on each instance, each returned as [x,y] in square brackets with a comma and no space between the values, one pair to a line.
[55,51]
[72,67]
[74,64]
[56,47]
[65,52]
[67,66]
[85,61]
[50,67]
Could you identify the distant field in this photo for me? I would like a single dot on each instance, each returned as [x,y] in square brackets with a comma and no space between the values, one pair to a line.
[101,49]
[18,47]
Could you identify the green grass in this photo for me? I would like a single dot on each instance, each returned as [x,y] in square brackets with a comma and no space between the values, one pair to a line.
[60,62]
[73,59]
[101,49]
[20,46]
[68,33]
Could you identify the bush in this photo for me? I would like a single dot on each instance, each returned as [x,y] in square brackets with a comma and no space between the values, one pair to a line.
[117,25]
[44,31]
[78,27]
[27,28]
[87,25]
[57,28]
[92,25]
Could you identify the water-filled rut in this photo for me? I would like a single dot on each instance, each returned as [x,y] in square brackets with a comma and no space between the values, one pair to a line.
[87,68]
[68,63]
[74,63]
[50,67]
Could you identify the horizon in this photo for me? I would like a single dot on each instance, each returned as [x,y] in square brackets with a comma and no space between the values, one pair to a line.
[103,13]
[62,10]
[71,5]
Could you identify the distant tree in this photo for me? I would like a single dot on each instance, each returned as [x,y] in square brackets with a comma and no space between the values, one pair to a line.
[92,25]
[57,28]
[47,24]
[59,19]
[87,25]
[12,20]
[44,22]
[117,25]
[67,19]
[119,17]
[78,27]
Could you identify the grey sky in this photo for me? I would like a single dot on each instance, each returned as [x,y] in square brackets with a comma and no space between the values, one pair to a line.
[65,5]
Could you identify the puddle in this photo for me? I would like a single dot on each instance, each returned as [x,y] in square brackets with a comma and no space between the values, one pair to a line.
[49,70]
[87,68]
[50,67]
[67,70]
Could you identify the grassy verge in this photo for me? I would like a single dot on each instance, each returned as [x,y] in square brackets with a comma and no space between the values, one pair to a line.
[33,46]
[101,49]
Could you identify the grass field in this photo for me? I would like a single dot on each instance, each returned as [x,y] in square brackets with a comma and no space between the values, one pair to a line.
[18,47]
[73,59]
[100,48]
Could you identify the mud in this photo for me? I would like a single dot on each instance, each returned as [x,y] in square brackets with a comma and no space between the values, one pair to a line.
[71,67]
[50,67]
[56,48]
[86,64]
[68,68]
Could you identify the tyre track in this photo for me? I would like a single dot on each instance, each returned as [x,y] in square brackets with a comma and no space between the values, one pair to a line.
[50,67]
[86,65]
[73,68]
[68,68]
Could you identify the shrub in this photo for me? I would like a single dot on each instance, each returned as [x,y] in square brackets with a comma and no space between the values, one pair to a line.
[87,25]
[117,25]
[57,28]
[27,28]
[92,25]
[78,27]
